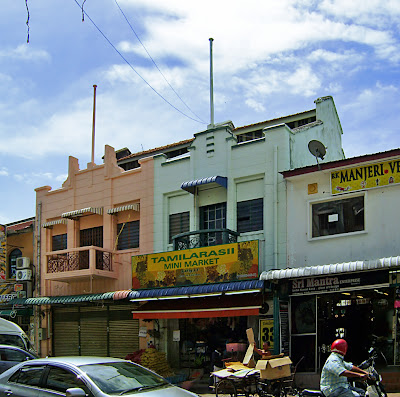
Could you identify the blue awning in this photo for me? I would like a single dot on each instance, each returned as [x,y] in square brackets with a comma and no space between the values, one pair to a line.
[190,186]
[204,289]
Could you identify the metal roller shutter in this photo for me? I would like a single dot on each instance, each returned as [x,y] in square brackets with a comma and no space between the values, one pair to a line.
[66,332]
[94,335]
[123,331]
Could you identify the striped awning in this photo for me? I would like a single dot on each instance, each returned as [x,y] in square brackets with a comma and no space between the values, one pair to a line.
[82,212]
[50,224]
[190,186]
[345,267]
[133,207]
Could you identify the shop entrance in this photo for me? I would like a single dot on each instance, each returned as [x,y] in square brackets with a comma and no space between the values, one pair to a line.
[363,317]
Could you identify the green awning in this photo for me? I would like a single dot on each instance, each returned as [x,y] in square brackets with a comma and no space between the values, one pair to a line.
[16,312]
[51,300]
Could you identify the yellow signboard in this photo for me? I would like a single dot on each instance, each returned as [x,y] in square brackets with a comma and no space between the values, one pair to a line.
[219,263]
[267,332]
[365,177]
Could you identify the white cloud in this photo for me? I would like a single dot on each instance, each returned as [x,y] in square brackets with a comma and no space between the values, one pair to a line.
[4,171]
[257,106]
[25,52]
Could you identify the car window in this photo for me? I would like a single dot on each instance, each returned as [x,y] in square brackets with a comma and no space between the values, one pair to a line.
[12,355]
[12,340]
[28,375]
[59,379]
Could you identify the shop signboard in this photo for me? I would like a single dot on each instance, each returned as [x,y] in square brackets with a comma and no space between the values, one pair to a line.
[365,177]
[214,264]
[338,282]
[7,292]
[267,332]
[3,252]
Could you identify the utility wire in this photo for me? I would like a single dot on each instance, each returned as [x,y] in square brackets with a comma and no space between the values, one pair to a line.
[27,20]
[140,41]
[119,53]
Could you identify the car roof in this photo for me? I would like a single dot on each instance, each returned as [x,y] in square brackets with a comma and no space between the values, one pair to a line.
[77,360]
[11,347]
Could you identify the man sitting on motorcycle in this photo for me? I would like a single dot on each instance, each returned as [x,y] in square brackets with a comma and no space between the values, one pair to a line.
[336,371]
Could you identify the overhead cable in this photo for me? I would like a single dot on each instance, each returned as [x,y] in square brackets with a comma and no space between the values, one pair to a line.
[155,64]
[139,75]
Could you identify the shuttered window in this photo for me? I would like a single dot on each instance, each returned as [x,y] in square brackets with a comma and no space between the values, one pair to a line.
[128,235]
[59,242]
[92,236]
[178,223]
[250,215]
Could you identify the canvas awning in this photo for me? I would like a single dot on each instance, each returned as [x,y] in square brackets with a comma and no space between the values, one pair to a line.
[214,306]
[190,186]
[133,207]
[345,267]
[82,212]
[50,224]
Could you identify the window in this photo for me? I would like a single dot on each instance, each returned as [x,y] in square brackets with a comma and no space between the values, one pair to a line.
[59,242]
[213,217]
[28,375]
[60,380]
[128,235]
[178,223]
[337,217]
[250,215]
[14,355]
[92,236]
[16,253]
[250,136]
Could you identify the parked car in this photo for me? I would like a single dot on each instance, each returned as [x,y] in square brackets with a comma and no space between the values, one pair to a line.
[12,334]
[85,376]
[12,355]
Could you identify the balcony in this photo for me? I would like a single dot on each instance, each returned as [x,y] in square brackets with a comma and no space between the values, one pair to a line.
[78,264]
[204,238]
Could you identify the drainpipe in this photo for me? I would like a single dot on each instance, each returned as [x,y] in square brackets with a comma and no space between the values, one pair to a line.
[37,317]
[275,205]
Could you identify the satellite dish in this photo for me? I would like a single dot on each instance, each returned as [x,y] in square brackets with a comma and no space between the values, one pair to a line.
[317,149]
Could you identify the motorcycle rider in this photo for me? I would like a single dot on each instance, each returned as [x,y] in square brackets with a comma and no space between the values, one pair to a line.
[336,371]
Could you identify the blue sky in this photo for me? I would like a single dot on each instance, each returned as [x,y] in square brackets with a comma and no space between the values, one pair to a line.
[271,58]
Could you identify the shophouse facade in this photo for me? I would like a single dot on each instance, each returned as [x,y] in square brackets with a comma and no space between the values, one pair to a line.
[343,262]
[223,195]
[17,270]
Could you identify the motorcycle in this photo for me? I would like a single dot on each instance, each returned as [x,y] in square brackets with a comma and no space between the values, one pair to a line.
[372,386]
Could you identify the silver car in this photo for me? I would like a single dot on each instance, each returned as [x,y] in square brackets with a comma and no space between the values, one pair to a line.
[12,355]
[85,376]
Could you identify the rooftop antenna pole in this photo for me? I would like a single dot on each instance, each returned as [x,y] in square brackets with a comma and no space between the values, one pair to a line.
[94,120]
[211,85]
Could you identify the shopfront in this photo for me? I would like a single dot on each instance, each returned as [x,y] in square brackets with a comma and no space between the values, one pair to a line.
[201,299]
[337,301]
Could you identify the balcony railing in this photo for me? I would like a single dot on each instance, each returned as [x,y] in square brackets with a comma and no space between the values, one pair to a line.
[204,238]
[79,262]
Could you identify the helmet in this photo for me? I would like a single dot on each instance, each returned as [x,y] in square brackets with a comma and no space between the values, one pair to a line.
[339,346]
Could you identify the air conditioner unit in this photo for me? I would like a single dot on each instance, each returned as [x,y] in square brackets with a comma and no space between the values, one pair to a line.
[24,275]
[268,308]
[23,263]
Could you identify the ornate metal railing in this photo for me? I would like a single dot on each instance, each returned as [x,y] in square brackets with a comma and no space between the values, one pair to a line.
[79,259]
[204,238]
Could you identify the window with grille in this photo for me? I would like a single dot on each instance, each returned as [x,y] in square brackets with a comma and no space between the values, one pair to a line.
[250,215]
[128,235]
[213,217]
[92,236]
[59,242]
[338,216]
[178,223]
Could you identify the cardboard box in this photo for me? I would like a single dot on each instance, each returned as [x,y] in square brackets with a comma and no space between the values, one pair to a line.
[248,358]
[275,368]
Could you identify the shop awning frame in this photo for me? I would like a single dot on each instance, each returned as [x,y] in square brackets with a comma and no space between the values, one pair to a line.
[203,290]
[190,186]
[133,207]
[50,224]
[345,267]
[83,211]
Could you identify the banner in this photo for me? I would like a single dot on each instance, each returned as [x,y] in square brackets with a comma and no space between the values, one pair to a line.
[267,332]
[215,264]
[366,177]
[3,252]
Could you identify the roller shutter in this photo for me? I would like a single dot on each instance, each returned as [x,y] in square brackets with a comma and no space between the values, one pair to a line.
[124,331]
[66,332]
[94,335]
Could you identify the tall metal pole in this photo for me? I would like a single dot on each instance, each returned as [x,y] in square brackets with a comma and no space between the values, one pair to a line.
[211,85]
[94,119]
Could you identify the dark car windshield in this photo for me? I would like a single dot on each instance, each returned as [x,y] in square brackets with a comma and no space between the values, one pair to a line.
[13,340]
[117,377]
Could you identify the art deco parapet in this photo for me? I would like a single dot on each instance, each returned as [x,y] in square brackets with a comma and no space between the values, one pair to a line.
[79,263]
